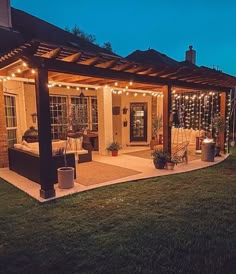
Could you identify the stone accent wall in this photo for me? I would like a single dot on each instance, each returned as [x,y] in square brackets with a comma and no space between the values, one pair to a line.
[3,132]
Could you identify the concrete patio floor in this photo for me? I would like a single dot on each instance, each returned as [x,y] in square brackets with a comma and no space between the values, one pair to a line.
[144,166]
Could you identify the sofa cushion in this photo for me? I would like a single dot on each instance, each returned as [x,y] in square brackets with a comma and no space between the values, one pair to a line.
[74,144]
[18,146]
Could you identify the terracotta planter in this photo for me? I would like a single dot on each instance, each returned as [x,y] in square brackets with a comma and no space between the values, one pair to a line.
[65,177]
[114,152]
[170,165]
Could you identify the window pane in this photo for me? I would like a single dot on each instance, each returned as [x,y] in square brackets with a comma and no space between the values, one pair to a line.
[94,109]
[79,113]
[58,116]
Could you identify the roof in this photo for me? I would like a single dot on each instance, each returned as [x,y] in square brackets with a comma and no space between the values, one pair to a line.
[42,44]
[26,27]
[151,57]
[100,68]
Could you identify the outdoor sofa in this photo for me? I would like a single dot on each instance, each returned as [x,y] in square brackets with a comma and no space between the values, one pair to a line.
[24,158]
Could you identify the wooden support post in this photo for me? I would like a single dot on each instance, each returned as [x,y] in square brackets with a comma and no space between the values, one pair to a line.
[166,119]
[223,102]
[44,130]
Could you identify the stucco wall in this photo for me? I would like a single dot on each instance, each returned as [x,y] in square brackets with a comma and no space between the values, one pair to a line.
[117,119]
[17,89]
[125,102]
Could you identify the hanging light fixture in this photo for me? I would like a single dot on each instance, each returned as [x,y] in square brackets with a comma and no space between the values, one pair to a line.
[81,94]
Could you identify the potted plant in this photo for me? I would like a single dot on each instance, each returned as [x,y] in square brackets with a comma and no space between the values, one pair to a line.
[218,126]
[170,163]
[157,124]
[65,174]
[159,157]
[114,147]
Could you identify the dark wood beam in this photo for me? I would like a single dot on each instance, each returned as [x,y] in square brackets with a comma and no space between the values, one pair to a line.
[137,69]
[166,119]
[27,50]
[84,70]
[44,133]
[52,53]
[148,71]
[124,66]
[90,62]
[108,64]
[72,58]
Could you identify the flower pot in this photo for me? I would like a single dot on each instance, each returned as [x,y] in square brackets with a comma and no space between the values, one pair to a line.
[170,165]
[114,152]
[160,164]
[65,176]
[217,150]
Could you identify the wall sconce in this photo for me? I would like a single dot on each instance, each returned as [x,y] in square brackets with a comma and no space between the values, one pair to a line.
[81,94]
[34,117]
[124,110]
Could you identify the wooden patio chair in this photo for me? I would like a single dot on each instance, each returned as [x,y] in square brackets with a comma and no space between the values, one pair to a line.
[180,153]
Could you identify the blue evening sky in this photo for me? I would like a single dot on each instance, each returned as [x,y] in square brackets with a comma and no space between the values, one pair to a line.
[168,26]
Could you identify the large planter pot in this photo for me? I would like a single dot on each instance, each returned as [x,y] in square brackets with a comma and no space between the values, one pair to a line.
[160,164]
[114,152]
[217,150]
[65,177]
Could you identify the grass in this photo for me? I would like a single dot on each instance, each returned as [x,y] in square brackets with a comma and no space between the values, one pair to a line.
[183,223]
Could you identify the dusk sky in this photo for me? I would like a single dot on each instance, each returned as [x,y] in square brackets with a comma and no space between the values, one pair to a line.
[168,26]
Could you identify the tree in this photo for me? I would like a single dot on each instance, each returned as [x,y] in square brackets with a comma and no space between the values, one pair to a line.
[107,46]
[80,33]
[87,37]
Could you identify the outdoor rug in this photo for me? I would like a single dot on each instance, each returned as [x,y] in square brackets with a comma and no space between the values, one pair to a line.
[147,154]
[141,153]
[92,173]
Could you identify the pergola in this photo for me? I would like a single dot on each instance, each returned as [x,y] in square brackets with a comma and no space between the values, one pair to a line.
[44,63]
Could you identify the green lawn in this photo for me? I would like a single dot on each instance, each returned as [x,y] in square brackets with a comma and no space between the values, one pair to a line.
[182,223]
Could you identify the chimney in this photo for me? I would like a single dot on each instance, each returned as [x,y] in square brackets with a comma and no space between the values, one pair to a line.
[5,14]
[191,55]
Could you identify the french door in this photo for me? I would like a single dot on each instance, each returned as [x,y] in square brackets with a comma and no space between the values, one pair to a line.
[138,122]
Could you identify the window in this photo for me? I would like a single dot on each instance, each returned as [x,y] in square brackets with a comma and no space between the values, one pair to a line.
[87,113]
[11,122]
[94,113]
[81,107]
[58,115]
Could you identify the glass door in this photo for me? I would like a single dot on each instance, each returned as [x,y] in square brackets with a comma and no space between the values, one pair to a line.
[138,122]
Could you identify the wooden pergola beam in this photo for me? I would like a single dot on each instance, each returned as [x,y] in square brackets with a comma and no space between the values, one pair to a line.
[90,62]
[91,71]
[166,119]
[108,64]
[73,57]
[52,53]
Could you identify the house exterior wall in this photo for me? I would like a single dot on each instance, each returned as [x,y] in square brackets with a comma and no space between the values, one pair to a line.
[16,89]
[105,128]
[117,119]
[111,126]
[125,102]
[3,132]
[30,99]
